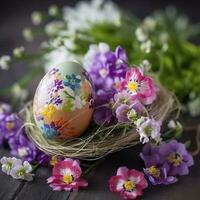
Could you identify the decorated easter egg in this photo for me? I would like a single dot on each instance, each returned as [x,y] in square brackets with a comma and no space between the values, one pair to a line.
[63,102]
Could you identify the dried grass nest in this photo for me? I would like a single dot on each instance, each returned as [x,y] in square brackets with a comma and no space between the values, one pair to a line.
[97,142]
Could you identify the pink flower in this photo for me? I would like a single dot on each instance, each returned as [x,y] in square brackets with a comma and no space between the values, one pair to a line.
[66,176]
[128,182]
[139,86]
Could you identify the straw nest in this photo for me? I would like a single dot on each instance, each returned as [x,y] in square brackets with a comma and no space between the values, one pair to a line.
[97,142]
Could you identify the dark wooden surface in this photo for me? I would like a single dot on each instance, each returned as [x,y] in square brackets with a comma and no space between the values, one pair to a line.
[14,15]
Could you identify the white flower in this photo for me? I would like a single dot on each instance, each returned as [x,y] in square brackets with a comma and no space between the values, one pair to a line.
[4,62]
[18,52]
[145,65]
[140,35]
[18,92]
[9,163]
[53,10]
[86,14]
[36,18]
[148,129]
[28,34]
[22,171]
[149,24]
[132,115]
[174,124]
[53,28]
[146,46]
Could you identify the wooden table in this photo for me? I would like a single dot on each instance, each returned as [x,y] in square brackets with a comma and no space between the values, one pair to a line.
[14,15]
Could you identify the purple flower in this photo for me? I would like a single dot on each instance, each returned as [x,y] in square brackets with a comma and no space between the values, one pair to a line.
[154,169]
[159,176]
[103,115]
[104,66]
[176,157]
[121,113]
[58,85]
[164,162]
[42,158]
[21,147]
[10,125]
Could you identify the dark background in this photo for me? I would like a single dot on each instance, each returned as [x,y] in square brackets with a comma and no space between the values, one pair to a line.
[14,16]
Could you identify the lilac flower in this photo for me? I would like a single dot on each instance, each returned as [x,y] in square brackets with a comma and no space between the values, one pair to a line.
[21,147]
[159,176]
[177,159]
[121,113]
[104,66]
[10,125]
[42,158]
[9,163]
[148,129]
[103,115]
[156,172]
[22,171]
[5,110]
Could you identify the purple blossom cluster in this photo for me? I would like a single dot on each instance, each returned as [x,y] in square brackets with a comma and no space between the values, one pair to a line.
[165,162]
[13,133]
[106,69]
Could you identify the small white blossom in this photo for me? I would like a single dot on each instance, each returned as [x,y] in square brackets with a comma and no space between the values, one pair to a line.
[146,46]
[146,65]
[140,35]
[9,163]
[148,129]
[28,34]
[132,115]
[36,18]
[18,52]
[174,124]
[22,171]
[53,10]
[53,28]
[4,62]
[149,24]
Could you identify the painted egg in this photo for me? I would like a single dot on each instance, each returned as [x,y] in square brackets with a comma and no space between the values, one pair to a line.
[63,102]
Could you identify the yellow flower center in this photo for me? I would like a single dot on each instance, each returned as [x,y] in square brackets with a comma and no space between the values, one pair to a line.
[67,178]
[154,171]
[132,86]
[54,160]
[9,125]
[175,159]
[48,111]
[129,185]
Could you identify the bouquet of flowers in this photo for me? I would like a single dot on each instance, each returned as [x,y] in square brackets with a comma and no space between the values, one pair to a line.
[128,61]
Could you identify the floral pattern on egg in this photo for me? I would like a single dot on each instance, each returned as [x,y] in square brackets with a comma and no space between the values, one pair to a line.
[63,102]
